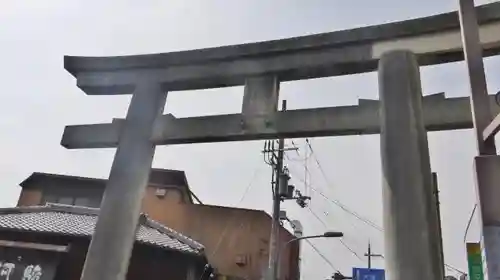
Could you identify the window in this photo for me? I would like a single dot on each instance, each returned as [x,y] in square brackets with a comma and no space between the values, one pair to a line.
[72,200]
[82,201]
[66,200]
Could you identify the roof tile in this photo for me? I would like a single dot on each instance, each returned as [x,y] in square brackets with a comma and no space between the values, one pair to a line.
[81,221]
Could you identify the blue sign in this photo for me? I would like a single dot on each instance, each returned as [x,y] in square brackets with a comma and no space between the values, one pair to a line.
[368,274]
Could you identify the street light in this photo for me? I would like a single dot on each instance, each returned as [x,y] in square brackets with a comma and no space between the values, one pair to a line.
[333,234]
[328,234]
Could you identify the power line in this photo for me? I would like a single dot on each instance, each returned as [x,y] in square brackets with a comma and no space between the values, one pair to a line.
[224,232]
[317,217]
[382,230]
[296,148]
[341,241]
[350,250]
[307,174]
[470,221]
[321,255]
[307,171]
[452,268]
[317,162]
[336,202]
[347,210]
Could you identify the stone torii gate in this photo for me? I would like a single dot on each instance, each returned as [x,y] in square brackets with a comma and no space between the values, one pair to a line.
[402,118]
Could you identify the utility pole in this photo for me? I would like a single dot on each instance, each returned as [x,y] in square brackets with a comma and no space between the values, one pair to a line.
[437,211]
[278,170]
[281,191]
[370,255]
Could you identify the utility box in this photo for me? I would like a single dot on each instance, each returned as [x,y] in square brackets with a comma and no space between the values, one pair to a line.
[283,185]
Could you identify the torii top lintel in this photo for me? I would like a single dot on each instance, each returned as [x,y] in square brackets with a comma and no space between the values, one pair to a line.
[435,39]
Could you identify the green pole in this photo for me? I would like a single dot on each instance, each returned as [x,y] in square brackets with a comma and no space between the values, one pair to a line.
[475,260]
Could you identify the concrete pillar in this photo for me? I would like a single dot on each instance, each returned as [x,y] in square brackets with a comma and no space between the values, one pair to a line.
[111,246]
[488,193]
[410,235]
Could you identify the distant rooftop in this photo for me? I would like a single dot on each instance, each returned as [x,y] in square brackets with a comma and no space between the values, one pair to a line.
[80,222]
[157,177]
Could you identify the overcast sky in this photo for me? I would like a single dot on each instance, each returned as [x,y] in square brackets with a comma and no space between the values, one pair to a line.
[38,98]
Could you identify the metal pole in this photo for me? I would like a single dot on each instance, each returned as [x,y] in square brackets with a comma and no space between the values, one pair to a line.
[407,181]
[325,235]
[278,256]
[486,165]
[369,256]
[111,246]
[438,221]
[298,230]
[473,54]
[274,242]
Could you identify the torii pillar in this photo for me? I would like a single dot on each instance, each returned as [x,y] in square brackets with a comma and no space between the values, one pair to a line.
[410,220]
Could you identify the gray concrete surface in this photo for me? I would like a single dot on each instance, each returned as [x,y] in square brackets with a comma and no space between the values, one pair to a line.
[111,245]
[410,235]
[440,113]
[436,39]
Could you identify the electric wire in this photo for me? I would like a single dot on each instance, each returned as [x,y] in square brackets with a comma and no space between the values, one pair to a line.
[347,210]
[336,202]
[296,148]
[446,265]
[470,221]
[341,241]
[452,268]
[224,232]
[307,174]
[350,250]
[321,254]
[319,164]
[366,221]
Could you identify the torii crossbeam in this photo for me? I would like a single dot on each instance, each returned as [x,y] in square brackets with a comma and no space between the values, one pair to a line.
[260,67]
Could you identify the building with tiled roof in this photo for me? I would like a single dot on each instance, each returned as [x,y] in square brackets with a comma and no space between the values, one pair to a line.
[67,220]
[236,240]
[159,250]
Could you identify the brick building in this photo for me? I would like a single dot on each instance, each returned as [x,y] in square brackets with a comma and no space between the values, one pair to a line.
[236,240]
